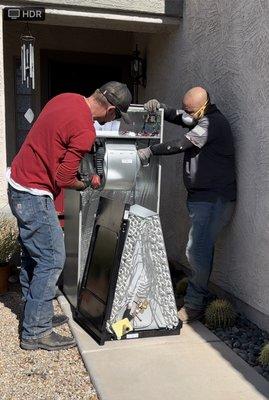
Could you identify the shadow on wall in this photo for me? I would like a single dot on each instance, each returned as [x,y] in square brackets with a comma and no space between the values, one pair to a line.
[174,8]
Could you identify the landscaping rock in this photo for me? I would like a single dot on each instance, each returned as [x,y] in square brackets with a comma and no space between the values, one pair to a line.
[235,329]
[236,344]
[246,339]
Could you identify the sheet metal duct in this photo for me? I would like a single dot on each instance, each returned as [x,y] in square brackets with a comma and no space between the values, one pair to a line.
[121,165]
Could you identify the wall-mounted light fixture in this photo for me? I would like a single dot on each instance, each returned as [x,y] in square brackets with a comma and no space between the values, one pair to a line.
[138,72]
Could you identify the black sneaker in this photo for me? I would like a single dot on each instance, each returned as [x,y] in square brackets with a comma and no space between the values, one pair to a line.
[58,320]
[51,342]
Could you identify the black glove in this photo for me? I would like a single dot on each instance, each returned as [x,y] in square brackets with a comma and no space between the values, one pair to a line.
[144,154]
[94,182]
[152,105]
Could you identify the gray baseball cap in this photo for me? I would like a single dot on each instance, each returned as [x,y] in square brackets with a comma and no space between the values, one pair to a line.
[118,95]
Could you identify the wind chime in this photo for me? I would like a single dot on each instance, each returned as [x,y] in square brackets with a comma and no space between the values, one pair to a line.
[28,60]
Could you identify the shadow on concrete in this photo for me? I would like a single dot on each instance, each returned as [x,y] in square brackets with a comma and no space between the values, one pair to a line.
[248,372]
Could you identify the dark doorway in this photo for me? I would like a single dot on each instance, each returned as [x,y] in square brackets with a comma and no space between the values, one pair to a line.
[80,78]
[80,72]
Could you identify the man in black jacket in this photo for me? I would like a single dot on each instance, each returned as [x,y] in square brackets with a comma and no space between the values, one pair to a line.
[209,177]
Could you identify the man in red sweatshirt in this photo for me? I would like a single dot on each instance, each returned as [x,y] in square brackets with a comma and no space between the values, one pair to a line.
[48,161]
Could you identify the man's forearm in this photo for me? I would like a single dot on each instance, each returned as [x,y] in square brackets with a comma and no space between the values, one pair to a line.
[170,115]
[77,185]
[172,147]
[178,117]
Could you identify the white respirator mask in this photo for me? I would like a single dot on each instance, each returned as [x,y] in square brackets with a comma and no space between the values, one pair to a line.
[187,119]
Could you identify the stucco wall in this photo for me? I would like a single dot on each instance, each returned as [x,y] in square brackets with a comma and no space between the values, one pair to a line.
[225,49]
[169,7]
[3,197]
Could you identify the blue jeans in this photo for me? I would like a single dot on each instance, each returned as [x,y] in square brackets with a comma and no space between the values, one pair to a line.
[207,220]
[43,258]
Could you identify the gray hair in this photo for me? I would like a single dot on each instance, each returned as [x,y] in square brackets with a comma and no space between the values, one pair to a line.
[100,98]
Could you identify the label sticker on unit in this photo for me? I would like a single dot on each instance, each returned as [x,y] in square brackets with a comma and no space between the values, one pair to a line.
[127,161]
[132,336]
[126,214]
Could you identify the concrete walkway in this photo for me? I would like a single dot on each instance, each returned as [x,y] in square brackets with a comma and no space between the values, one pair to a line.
[194,365]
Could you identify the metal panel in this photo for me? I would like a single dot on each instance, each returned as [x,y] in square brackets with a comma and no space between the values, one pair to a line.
[98,285]
[80,209]
[72,233]
[121,165]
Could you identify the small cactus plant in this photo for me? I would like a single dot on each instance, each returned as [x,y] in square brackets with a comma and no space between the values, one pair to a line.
[181,287]
[264,355]
[220,314]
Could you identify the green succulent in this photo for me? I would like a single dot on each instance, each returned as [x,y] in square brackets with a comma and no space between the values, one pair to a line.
[264,355]
[181,287]
[220,314]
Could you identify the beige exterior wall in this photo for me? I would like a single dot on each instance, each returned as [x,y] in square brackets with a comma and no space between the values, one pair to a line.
[3,197]
[225,49]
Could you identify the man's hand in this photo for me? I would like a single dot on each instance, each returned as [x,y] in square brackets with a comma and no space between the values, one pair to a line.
[95,181]
[152,105]
[144,154]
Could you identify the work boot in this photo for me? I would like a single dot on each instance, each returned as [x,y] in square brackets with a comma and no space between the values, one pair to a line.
[187,315]
[58,320]
[51,342]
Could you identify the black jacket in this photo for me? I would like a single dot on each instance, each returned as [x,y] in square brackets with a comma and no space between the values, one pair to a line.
[209,164]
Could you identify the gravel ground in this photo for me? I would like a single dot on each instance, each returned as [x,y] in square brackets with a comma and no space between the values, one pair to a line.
[40,374]
[246,339]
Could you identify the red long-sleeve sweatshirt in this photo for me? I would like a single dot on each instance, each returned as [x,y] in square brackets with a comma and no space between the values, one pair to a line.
[50,156]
